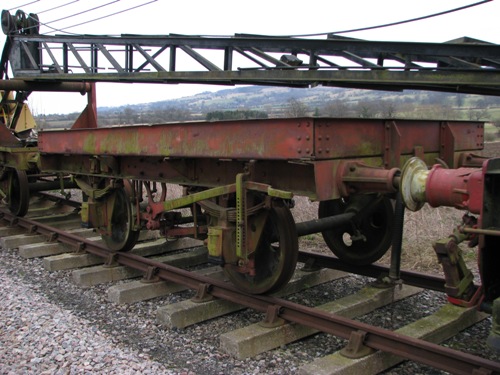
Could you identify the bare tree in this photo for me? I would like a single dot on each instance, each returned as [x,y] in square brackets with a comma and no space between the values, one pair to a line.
[337,108]
[366,109]
[388,109]
[437,112]
[477,114]
[128,116]
[296,108]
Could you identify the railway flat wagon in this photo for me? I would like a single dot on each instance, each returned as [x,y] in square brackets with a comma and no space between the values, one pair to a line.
[239,177]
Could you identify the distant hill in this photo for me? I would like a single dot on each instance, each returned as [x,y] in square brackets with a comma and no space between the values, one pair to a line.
[289,102]
[274,100]
[269,99]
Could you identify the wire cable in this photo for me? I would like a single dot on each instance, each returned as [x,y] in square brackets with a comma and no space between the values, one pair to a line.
[19,6]
[96,19]
[414,19]
[282,36]
[388,24]
[82,12]
[57,7]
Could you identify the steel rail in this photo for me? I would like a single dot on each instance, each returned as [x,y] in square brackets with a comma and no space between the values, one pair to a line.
[418,279]
[58,199]
[417,350]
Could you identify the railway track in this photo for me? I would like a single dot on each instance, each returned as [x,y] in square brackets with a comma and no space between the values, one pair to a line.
[52,231]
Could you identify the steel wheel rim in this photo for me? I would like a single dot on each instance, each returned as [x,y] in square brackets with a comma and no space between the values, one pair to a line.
[376,229]
[122,236]
[19,194]
[275,262]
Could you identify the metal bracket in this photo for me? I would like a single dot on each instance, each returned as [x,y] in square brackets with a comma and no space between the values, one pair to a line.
[356,348]
[447,141]
[80,247]
[13,222]
[151,275]
[392,145]
[481,371]
[241,217]
[94,193]
[493,340]
[272,318]
[310,266]
[459,279]
[203,293]
[385,282]
[111,261]
[52,237]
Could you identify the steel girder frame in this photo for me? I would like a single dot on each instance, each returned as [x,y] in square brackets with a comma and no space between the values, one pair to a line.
[301,155]
[465,65]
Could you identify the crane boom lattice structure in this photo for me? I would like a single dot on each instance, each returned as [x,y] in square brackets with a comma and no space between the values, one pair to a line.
[463,65]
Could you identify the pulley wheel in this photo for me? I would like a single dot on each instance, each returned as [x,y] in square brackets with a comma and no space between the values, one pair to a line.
[21,22]
[366,238]
[15,186]
[275,257]
[8,22]
[122,236]
[33,24]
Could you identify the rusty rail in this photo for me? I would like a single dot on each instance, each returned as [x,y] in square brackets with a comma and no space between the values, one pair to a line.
[417,350]
[417,279]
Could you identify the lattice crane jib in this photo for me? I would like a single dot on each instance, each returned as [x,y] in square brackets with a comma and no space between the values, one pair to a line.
[463,65]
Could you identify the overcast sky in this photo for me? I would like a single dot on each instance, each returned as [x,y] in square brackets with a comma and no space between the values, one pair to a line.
[227,17]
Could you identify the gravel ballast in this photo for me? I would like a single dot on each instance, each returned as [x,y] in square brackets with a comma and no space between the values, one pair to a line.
[39,337]
[50,326]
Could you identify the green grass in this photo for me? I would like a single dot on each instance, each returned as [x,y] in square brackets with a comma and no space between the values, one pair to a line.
[491,132]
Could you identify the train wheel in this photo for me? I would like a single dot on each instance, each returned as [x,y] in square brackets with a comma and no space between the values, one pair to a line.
[364,240]
[14,184]
[275,257]
[122,236]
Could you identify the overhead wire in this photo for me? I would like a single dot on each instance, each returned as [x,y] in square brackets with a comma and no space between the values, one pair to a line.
[99,18]
[284,36]
[57,7]
[65,17]
[414,19]
[82,12]
[388,24]
[22,5]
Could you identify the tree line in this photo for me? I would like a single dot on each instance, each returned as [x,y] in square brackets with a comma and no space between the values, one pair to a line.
[429,106]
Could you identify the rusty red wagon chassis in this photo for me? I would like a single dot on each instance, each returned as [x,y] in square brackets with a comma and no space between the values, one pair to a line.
[240,177]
